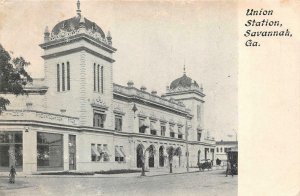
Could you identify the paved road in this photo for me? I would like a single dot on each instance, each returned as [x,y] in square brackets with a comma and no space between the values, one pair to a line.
[210,183]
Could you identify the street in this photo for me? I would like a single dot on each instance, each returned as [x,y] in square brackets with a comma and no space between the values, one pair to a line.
[208,183]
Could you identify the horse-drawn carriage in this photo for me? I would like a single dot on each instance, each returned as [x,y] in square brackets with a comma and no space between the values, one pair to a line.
[205,164]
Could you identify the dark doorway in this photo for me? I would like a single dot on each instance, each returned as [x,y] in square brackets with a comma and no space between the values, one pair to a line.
[72,152]
[161,156]
[151,156]
[139,156]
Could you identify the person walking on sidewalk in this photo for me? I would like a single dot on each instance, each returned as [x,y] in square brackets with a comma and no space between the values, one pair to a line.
[229,169]
[12,174]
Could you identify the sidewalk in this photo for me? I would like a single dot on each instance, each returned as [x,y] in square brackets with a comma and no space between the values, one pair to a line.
[151,172]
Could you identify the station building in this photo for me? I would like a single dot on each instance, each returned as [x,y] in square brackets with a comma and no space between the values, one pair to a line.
[76,118]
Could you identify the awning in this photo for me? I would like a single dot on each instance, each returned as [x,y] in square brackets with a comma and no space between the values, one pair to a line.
[118,152]
[95,151]
[99,149]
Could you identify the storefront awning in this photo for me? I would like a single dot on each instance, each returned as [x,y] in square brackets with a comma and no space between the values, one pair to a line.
[118,152]
[95,151]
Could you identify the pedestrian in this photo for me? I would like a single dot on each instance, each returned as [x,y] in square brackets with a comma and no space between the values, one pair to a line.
[12,174]
[229,169]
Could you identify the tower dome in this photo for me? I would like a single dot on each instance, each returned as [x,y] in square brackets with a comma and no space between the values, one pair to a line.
[183,82]
[73,24]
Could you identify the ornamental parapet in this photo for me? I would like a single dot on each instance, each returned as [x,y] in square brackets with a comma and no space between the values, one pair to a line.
[32,115]
[139,94]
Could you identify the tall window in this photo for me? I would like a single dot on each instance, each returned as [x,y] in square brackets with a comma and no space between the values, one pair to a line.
[68,76]
[152,128]
[99,120]
[94,76]
[11,150]
[199,136]
[63,77]
[163,130]
[98,78]
[142,125]
[119,154]
[94,152]
[172,134]
[118,123]
[49,150]
[180,136]
[58,78]
[217,149]
[102,88]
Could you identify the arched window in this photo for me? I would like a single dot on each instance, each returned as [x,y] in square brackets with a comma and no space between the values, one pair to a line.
[217,149]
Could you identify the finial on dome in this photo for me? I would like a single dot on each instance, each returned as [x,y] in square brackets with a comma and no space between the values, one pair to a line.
[109,38]
[78,8]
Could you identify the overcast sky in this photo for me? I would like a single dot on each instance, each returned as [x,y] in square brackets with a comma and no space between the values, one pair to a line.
[153,41]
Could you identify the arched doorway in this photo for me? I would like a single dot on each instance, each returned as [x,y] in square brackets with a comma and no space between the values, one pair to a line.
[139,155]
[151,151]
[178,153]
[161,156]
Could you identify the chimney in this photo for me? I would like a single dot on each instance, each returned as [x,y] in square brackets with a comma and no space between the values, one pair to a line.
[154,92]
[143,88]
[46,35]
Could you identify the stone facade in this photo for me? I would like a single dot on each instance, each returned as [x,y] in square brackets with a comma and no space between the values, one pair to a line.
[76,118]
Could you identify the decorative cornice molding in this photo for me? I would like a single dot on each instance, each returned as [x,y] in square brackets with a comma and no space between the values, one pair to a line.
[78,49]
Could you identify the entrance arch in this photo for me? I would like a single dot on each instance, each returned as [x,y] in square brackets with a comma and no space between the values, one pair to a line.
[161,156]
[151,151]
[139,155]
[178,153]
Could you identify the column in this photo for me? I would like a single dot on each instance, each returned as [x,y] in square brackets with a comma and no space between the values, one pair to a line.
[29,151]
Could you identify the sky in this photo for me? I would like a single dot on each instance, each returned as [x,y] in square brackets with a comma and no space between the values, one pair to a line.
[153,40]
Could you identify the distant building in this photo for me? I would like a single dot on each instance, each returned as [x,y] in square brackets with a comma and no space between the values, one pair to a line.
[222,147]
[76,118]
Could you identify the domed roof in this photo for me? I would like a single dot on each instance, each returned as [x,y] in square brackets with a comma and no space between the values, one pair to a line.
[72,24]
[183,82]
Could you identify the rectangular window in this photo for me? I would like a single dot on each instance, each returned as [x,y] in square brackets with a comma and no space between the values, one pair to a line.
[68,76]
[99,120]
[93,152]
[118,123]
[172,134]
[49,151]
[102,87]
[163,130]
[99,149]
[98,78]
[106,153]
[11,150]
[63,77]
[58,78]
[198,136]
[119,154]
[142,125]
[152,128]
[94,76]
[179,135]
